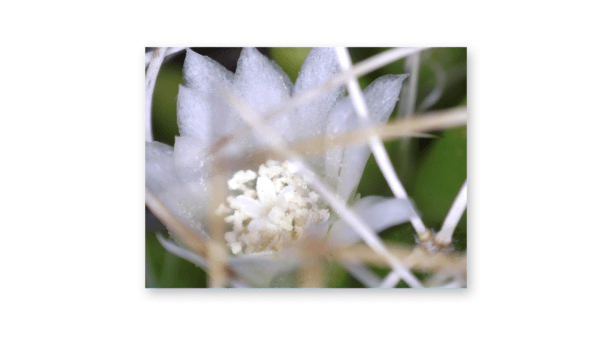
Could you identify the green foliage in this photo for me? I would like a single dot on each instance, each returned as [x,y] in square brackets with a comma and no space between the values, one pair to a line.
[165,270]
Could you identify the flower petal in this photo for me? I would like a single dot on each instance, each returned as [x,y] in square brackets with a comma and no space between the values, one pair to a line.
[162,179]
[191,163]
[347,165]
[183,253]
[202,111]
[262,85]
[203,73]
[260,271]
[310,119]
[377,212]
[160,167]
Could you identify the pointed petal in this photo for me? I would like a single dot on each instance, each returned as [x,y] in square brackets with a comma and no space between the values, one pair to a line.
[260,271]
[262,85]
[377,212]
[320,65]
[203,73]
[265,190]
[160,167]
[381,97]
[183,253]
[205,115]
[202,111]
[351,170]
[164,182]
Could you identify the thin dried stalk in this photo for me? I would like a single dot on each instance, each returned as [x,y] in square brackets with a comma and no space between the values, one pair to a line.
[217,253]
[189,238]
[413,258]
[413,126]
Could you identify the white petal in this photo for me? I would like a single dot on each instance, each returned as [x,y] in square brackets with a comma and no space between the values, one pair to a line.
[203,73]
[351,170]
[320,65]
[205,115]
[260,271]
[191,163]
[381,97]
[160,167]
[260,84]
[164,182]
[183,253]
[265,190]
[249,206]
[377,212]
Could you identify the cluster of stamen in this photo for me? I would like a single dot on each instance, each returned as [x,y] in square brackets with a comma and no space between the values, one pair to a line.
[270,208]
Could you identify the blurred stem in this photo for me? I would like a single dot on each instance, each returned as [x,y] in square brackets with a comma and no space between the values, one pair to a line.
[408,100]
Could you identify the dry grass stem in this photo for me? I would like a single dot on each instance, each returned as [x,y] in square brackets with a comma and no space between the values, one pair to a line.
[413,258]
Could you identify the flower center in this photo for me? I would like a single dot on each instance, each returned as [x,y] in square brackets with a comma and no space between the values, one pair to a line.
[275,207]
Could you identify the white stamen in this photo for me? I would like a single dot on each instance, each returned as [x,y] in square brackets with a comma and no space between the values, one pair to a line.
[282,210]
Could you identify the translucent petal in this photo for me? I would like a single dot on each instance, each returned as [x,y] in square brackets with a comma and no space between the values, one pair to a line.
[183,199]
[183,253]
[261,270]
[203,73]
[377,212]
[320,65]
[262,85]
[205,115]
[351,170]
[160,167]
[347,165]
[192,163]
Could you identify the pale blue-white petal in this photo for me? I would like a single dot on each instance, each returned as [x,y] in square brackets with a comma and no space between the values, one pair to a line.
[320,65]
[202,110]
[183,253]
[205,115]
[260,271]
[351,170]
[203,73]
[192,163]
[378,213]
[160,167]
[286,79]
[181,198]
[347,164]
[261,85]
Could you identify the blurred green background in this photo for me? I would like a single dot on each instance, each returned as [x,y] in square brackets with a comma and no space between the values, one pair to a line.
[431,169]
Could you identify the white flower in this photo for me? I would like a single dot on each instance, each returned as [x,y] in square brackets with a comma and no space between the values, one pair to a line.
[273,207]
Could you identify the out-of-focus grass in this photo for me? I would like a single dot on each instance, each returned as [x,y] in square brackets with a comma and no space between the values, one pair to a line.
[438,165]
